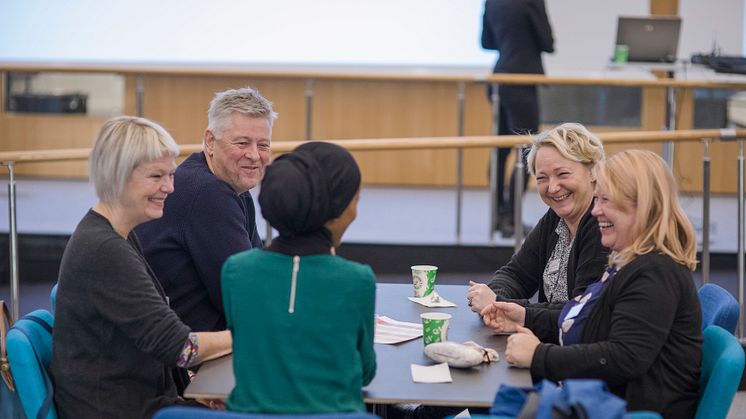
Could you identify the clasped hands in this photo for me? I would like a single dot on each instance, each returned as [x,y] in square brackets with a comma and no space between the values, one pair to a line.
[509,318]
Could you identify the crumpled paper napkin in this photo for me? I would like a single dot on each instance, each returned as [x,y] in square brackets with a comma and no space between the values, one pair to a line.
[432,300]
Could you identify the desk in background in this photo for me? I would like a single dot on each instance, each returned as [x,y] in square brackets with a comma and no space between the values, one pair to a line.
[393,382]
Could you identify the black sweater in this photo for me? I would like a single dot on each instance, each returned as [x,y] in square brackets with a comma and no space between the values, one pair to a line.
[115,338]
[523,275]
[643,338]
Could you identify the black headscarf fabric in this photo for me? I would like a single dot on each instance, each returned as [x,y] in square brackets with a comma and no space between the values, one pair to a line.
[307,187]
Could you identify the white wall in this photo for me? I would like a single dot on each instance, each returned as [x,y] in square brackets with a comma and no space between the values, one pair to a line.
[585,31]
[710,22]
[328,32]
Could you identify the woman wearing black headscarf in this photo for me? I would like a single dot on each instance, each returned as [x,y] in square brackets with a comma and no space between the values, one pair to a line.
[302,317]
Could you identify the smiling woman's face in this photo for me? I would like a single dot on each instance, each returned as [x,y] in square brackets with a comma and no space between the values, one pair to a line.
[615,221]
[565,185]
[145,192]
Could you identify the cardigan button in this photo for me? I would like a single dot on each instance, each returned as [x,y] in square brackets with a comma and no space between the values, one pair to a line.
[603,361]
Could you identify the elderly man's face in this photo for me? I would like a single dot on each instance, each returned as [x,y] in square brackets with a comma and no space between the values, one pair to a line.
[238,156]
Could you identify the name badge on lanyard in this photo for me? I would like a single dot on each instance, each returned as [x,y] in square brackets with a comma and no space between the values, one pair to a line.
[553,266]
[576,309]
[573,312]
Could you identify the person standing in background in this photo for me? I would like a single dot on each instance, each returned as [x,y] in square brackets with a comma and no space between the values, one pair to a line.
[520,31]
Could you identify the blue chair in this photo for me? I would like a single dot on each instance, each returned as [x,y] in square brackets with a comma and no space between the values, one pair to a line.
[642,414]
[53,297]
[29,344]
[719,307]
[722,365]
[179,412]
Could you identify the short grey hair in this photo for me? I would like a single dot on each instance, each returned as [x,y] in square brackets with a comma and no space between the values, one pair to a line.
[573,141]
[246,101]
[124,143]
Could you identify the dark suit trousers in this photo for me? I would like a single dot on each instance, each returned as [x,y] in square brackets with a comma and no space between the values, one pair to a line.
[519,114]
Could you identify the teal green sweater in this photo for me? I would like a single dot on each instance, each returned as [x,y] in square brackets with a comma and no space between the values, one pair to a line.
[313,360]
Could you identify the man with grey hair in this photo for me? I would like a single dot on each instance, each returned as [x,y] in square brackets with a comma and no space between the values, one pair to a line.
[210,215]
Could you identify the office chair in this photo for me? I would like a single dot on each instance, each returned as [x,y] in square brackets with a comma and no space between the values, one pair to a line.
[29,344]
[180,412]
[722,365]
[719,307]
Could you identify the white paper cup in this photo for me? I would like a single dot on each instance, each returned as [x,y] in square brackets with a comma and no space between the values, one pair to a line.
[423,279]
[435,327]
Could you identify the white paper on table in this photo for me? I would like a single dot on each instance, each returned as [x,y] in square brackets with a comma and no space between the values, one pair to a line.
[390,331]
[438,373]
[464,414]
[432,300]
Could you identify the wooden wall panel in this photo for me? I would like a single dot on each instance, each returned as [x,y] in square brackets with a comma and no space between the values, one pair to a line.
[130,96]
[687,166]
[370,109]
[348,108]
[652,117]
[724,167]
[664,7]
[180,103]
[3,83]
[688,156]
[477,121]
[34,132]
[355,109]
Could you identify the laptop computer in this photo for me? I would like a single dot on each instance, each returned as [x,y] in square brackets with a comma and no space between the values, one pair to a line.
[649,39]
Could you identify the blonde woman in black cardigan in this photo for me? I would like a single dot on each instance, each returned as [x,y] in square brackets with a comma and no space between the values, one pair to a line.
[563,253]
[639,327]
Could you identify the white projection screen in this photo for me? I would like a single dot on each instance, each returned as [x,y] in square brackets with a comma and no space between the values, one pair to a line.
[400,33]
[320,32]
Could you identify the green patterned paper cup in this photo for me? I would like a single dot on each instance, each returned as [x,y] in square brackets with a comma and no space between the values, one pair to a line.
[435,327]
[423,279]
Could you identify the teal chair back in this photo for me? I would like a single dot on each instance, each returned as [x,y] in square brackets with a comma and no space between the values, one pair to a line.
[722,366]
[179,412]
[29,344]
[719,307]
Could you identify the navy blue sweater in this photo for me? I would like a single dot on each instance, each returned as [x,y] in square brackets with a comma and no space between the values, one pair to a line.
[204,222]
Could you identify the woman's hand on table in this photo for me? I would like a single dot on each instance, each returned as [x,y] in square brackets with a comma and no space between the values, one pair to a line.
[479,296]
[521,347]
[214,404]
[504,317]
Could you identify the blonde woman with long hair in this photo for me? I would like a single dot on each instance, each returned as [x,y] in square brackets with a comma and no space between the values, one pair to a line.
[639,327]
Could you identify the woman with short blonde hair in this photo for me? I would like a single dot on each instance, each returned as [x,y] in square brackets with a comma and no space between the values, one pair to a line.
[124,142]
[116,342]
[563,253]
[572,140]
